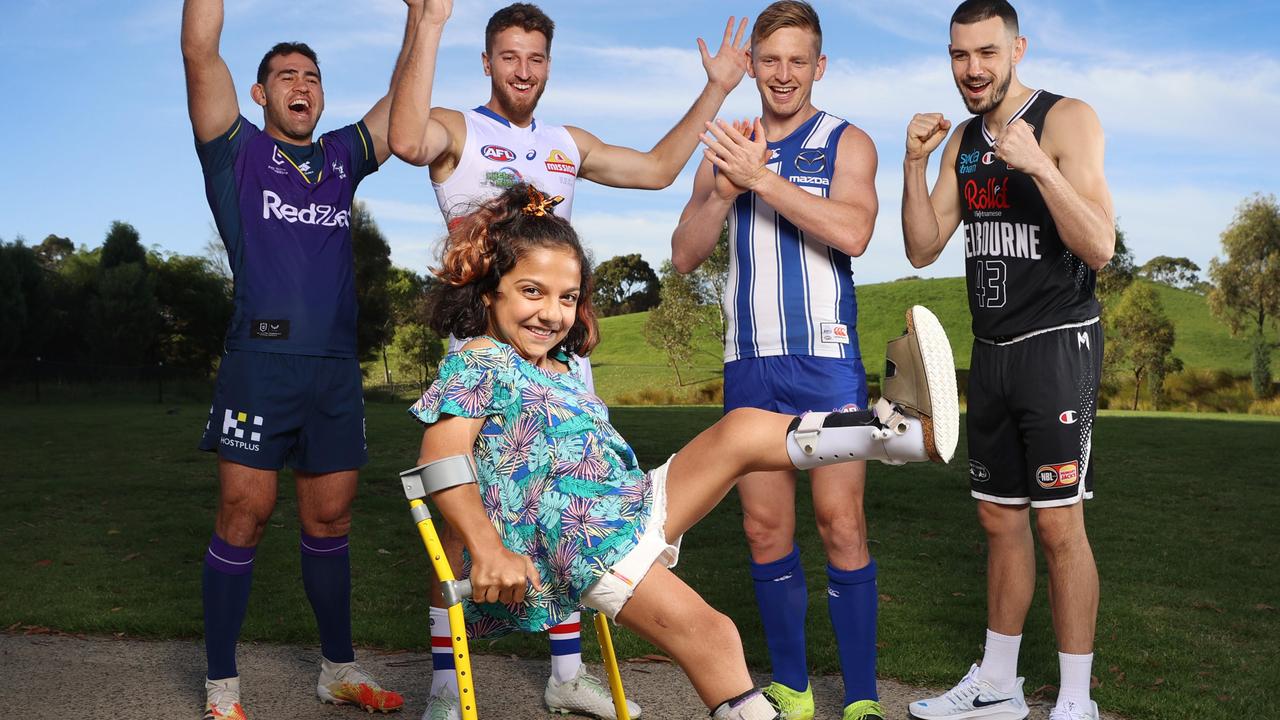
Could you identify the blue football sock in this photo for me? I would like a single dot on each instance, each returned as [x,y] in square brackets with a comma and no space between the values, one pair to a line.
[783,601]
[852,601]
[326,575]
[227,576]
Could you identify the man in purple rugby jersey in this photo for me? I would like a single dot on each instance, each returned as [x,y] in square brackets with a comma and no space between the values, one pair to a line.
[289,385]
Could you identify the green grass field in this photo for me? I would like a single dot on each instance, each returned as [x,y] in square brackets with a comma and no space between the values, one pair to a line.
[108,508]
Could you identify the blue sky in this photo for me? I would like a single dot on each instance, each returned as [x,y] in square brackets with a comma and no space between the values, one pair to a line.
[1188,93]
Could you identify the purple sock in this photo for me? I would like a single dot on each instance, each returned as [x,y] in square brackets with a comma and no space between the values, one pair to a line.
[326,575]
[227,576]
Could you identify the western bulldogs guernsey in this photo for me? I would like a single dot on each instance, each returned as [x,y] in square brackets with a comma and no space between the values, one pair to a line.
[497,155]
[286,221]
[787,294]
[1021,277]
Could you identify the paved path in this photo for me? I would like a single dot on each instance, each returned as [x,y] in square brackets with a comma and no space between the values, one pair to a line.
[57,676]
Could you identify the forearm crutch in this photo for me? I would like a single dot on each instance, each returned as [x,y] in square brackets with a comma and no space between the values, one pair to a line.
[418,483]
[421,481]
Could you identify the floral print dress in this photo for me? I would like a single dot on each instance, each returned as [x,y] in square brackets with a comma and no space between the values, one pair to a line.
[557,480]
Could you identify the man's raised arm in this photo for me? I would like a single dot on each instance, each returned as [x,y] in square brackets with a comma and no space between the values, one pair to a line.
[421,15]
[1071,181]
[414,136]
[211,94]
[929,220]
[653,170]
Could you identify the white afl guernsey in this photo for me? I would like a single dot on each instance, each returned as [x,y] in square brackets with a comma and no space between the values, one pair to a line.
[497,155]
[788,294]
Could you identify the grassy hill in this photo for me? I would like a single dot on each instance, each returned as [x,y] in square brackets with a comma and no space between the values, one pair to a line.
[630,371]
[625,364]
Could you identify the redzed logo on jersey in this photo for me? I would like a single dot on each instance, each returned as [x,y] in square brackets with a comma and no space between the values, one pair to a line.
[1058,476]
[557,161]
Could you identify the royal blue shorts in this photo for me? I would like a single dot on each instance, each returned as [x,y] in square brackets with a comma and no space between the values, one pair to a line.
[794,384]
[272,409]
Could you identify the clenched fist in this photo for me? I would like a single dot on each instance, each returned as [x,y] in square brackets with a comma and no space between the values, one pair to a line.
[925,133]
[1018,148]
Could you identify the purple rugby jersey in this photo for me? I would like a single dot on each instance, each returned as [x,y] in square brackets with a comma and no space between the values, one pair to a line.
[284,214]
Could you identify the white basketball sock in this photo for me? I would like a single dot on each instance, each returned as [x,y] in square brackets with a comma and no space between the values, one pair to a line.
[1075,672]
[1000,660]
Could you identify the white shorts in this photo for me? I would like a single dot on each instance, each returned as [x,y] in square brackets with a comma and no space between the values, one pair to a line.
[614,588]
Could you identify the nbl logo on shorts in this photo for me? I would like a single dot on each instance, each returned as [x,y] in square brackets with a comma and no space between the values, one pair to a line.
[236,425]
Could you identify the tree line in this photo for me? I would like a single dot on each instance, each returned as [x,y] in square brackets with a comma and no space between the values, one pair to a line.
[122,304]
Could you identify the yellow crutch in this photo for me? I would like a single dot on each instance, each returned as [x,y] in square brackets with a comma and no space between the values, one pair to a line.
[455,591]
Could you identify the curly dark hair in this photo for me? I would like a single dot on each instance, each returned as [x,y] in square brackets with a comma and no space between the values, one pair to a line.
[485,244]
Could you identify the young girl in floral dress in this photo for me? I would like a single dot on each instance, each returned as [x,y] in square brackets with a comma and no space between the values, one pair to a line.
[562,516]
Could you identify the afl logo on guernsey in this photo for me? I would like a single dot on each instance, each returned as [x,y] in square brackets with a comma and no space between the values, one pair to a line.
[811,162]
[558,162]
[497,153]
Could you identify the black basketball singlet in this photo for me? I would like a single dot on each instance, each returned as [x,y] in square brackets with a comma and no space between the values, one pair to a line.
[1021,278]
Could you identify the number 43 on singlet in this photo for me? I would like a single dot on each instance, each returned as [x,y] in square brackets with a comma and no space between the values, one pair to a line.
[989,283]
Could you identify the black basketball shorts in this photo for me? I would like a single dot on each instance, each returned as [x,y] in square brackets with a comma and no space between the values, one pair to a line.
[1032,402]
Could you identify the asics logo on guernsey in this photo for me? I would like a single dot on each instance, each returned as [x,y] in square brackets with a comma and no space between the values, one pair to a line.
[313,214]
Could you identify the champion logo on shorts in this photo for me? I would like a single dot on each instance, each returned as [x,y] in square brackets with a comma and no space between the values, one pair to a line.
[1058,476]
[233,430]
[1067,417]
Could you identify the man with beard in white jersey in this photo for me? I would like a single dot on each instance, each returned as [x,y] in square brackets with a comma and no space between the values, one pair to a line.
[476,154]
[1026,177]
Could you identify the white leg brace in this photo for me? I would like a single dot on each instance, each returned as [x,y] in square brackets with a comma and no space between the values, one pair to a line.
[883,434]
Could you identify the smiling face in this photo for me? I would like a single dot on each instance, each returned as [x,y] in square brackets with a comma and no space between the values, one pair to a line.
[785,65]
[291,97]
[518,63]
[536,302]
[983,57]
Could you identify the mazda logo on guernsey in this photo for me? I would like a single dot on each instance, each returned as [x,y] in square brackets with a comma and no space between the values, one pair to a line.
[497,153]
[994,195]
[811,162]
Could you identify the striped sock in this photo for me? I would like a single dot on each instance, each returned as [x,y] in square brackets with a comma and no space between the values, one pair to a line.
[227,576]
[326,575]
[442,667]
[566,648]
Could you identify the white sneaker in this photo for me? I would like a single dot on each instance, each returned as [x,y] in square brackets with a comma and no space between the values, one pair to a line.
[349,684]
[443,705]
[583,695]
[1071,711]
[972,698]
[222,699]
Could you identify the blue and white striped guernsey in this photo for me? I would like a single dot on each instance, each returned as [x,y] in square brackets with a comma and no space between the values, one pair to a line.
[787,294]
